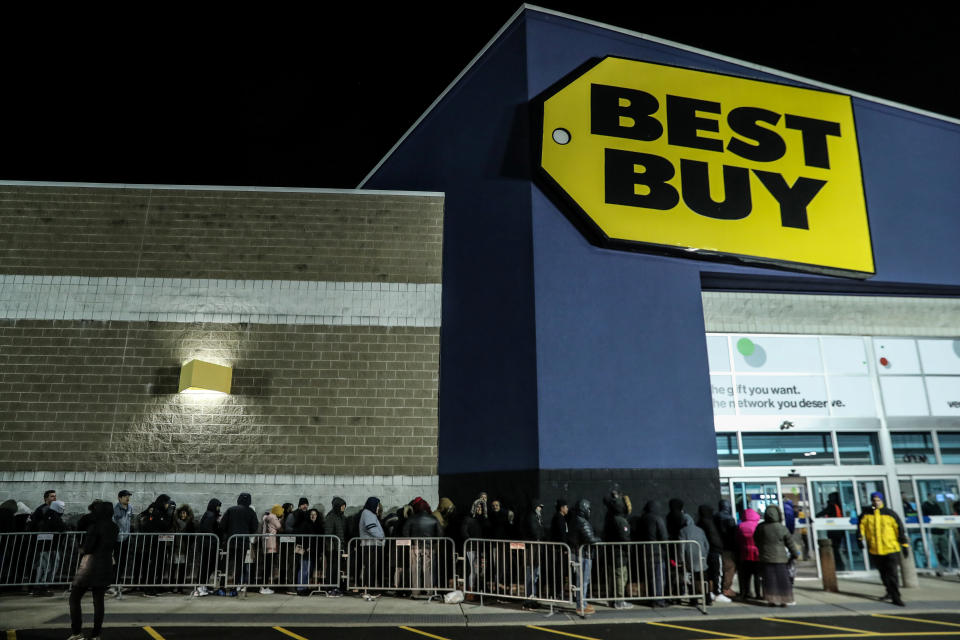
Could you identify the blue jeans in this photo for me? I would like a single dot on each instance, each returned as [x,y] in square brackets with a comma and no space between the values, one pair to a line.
[584,580]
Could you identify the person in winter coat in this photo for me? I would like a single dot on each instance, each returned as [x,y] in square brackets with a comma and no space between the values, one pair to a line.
[95,572]
[675,518]
[727,526]
[240,520]
[559,525]
[582,534]
[371,546]
[693,556]
[834,509]
[269,528]
[471,529]
[773,541]
[616,528]
[652,527]
[706,522]
[335,524]
[310,550]
[882,531]
[444,515]
[48,518]
[421,525]
[183,546]
[749,554]
[207,555]
[499,523]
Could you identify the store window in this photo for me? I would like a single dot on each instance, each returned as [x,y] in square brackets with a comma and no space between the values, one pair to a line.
[728,454]
[949,446]
[858,448]
[913,447]
[787,449]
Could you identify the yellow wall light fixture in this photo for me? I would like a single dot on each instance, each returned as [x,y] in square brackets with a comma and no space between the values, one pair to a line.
[197,376]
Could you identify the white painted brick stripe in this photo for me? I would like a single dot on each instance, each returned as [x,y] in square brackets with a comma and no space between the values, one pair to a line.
[208,300]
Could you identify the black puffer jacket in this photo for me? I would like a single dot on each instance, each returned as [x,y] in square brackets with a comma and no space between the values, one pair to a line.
[421,525]
[706,522]
[581,531]
[652,527]
[675,518]
[98,544]
[616,527]
[727,526]
[158,517]
[239,519]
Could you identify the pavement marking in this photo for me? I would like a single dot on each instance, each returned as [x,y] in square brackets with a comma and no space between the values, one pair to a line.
[815,624]
[423,633]
[883,615]
[11,634]
[562,633]
[153,634]
[676,626]
[290,633]
[825,636]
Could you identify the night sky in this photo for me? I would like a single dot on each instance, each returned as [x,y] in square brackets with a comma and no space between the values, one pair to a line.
[315,101]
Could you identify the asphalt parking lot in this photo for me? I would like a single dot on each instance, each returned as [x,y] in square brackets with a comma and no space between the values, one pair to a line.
[772,627]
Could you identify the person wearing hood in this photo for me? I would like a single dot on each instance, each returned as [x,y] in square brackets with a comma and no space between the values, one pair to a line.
[240,520]
[727,526]
[95,572]
[21,519]
[581,535]
[183,546]
[616,528]
[269,528]
[652,527]
[371,545]
[7,510]
[421,524]
[705,521]
[773,541]
[154,549]
[207,557]
[335,524]
[309,550]
[749,554]
[444,515]
[882,531]
[48,518]
[472,529]
[694,556]
[674,518]
[7,525]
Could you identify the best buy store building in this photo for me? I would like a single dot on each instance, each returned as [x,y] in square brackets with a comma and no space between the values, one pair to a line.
[692,277]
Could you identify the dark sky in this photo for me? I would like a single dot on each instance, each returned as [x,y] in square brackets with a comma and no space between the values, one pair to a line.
[315,101]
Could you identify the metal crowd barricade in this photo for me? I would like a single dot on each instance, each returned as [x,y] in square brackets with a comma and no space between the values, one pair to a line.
[175,560]
[518,569]
[644,571]
[425,565]
[306,562]
[39,559]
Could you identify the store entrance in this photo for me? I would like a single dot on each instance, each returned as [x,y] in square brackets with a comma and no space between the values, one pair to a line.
[837,504]
[930,513]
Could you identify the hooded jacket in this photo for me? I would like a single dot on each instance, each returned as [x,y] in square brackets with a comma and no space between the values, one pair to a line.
[789,516]
[187,525]
[706,522]
[421,524]
[444,513]
[727,526]
[335,522]
[370,526]
[535,529]
[773,539]
[616,527]
[98,543]
[239,519]
[694,557]
[158,517]
[881,530]
[208,523]
[652,527]
[745,543]
[7,509]
[675,518]
[271,526]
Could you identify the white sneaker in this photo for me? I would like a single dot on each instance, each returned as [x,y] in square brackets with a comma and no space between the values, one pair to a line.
[266,591]
[622,604]
[77,636]
[721,598]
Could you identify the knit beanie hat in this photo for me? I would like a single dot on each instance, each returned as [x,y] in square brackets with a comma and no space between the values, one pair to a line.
[57,505]
[302,502]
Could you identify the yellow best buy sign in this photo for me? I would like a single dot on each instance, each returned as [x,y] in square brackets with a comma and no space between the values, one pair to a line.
[668,158]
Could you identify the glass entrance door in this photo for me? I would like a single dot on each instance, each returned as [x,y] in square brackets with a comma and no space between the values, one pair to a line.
[938,498]
[837,505]
[756,495]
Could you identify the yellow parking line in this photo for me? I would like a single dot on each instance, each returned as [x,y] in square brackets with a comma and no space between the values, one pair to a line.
[676,626]
[153,634]
[424,633]
[290,633]
[883,615]
[868,634]
[815,624]
[11,634]
[562,633]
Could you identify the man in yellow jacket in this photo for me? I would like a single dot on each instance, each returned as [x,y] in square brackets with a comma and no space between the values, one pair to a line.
[884,534]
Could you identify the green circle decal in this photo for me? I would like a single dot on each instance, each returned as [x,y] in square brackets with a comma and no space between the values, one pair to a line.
[745,346]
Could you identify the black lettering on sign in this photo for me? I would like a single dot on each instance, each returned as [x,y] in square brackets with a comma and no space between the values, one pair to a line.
[745,121]
[813,133]
[683,123]
[624,113]
[793,200]
[621,176]
[695,183]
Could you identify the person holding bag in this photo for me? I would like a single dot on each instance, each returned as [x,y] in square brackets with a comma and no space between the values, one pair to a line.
[95,572]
